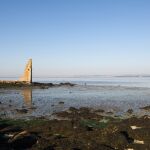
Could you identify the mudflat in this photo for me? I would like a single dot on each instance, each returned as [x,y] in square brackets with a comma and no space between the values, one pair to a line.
[29,120]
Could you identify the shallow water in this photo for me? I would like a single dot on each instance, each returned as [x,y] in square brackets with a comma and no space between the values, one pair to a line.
[101,80]
[139,81]
[117,97]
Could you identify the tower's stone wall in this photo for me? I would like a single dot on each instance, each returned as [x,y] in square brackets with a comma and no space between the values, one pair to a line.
[27,77]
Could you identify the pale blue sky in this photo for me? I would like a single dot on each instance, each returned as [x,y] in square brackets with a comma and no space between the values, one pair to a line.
[75,37]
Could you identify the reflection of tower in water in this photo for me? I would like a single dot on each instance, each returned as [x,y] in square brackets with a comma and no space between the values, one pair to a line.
[27,95]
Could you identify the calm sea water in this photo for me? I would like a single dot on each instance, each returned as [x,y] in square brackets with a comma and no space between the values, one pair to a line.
[115,94]
[102,81]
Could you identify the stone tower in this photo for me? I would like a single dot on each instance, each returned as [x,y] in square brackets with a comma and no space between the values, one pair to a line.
[27,77]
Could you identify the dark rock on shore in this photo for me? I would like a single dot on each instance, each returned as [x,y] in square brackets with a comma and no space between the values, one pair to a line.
[23,140]
[18,141]
[51,147]
[130,111]
[74,113]
[22,111]
[99,111]
[73,109]
[127,137]
[109,113]
[10,129]
[61,102]
[66,84]
[17,84]
[146,108]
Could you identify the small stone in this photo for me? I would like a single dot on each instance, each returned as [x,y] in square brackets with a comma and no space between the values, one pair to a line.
[76,148]
[146,108]
[109,113]
[99,111]
[135,127]
[130,111]
[72,109]
[51,147]
[33,108]
[89,128]
[138,142]
[22,111]
[59,136]
[61,102]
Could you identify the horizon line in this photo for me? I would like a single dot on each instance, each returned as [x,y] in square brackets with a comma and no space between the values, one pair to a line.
[77,76]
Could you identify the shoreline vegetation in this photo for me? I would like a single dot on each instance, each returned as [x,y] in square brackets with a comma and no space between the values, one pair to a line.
[77,129]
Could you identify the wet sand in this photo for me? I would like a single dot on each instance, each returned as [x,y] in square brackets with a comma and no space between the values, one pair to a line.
[28,102]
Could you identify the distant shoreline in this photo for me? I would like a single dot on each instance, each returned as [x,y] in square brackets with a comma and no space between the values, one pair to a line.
[80,76]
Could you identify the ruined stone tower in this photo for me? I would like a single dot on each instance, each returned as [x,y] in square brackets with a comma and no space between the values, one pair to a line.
[27,77]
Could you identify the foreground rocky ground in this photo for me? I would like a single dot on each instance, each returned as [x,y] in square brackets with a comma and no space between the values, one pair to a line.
[76,129]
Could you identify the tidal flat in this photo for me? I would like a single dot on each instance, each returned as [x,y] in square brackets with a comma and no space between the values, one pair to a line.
[78,117]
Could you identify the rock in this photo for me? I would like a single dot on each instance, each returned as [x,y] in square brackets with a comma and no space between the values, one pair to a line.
[135,127]
[89,128]
[76,148]
[61,102]
[93,124]
[73,109]
[2,126]
[22,111]
[130,111]
[51,147]
[33,108]
[23,140]
[128,138]
[59,136]
[66,84]
[146,108]
[104,120]
[138,142]
[84,110]
[42,85]
[9,129]
[109,113]
[3,139]
[99,111]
